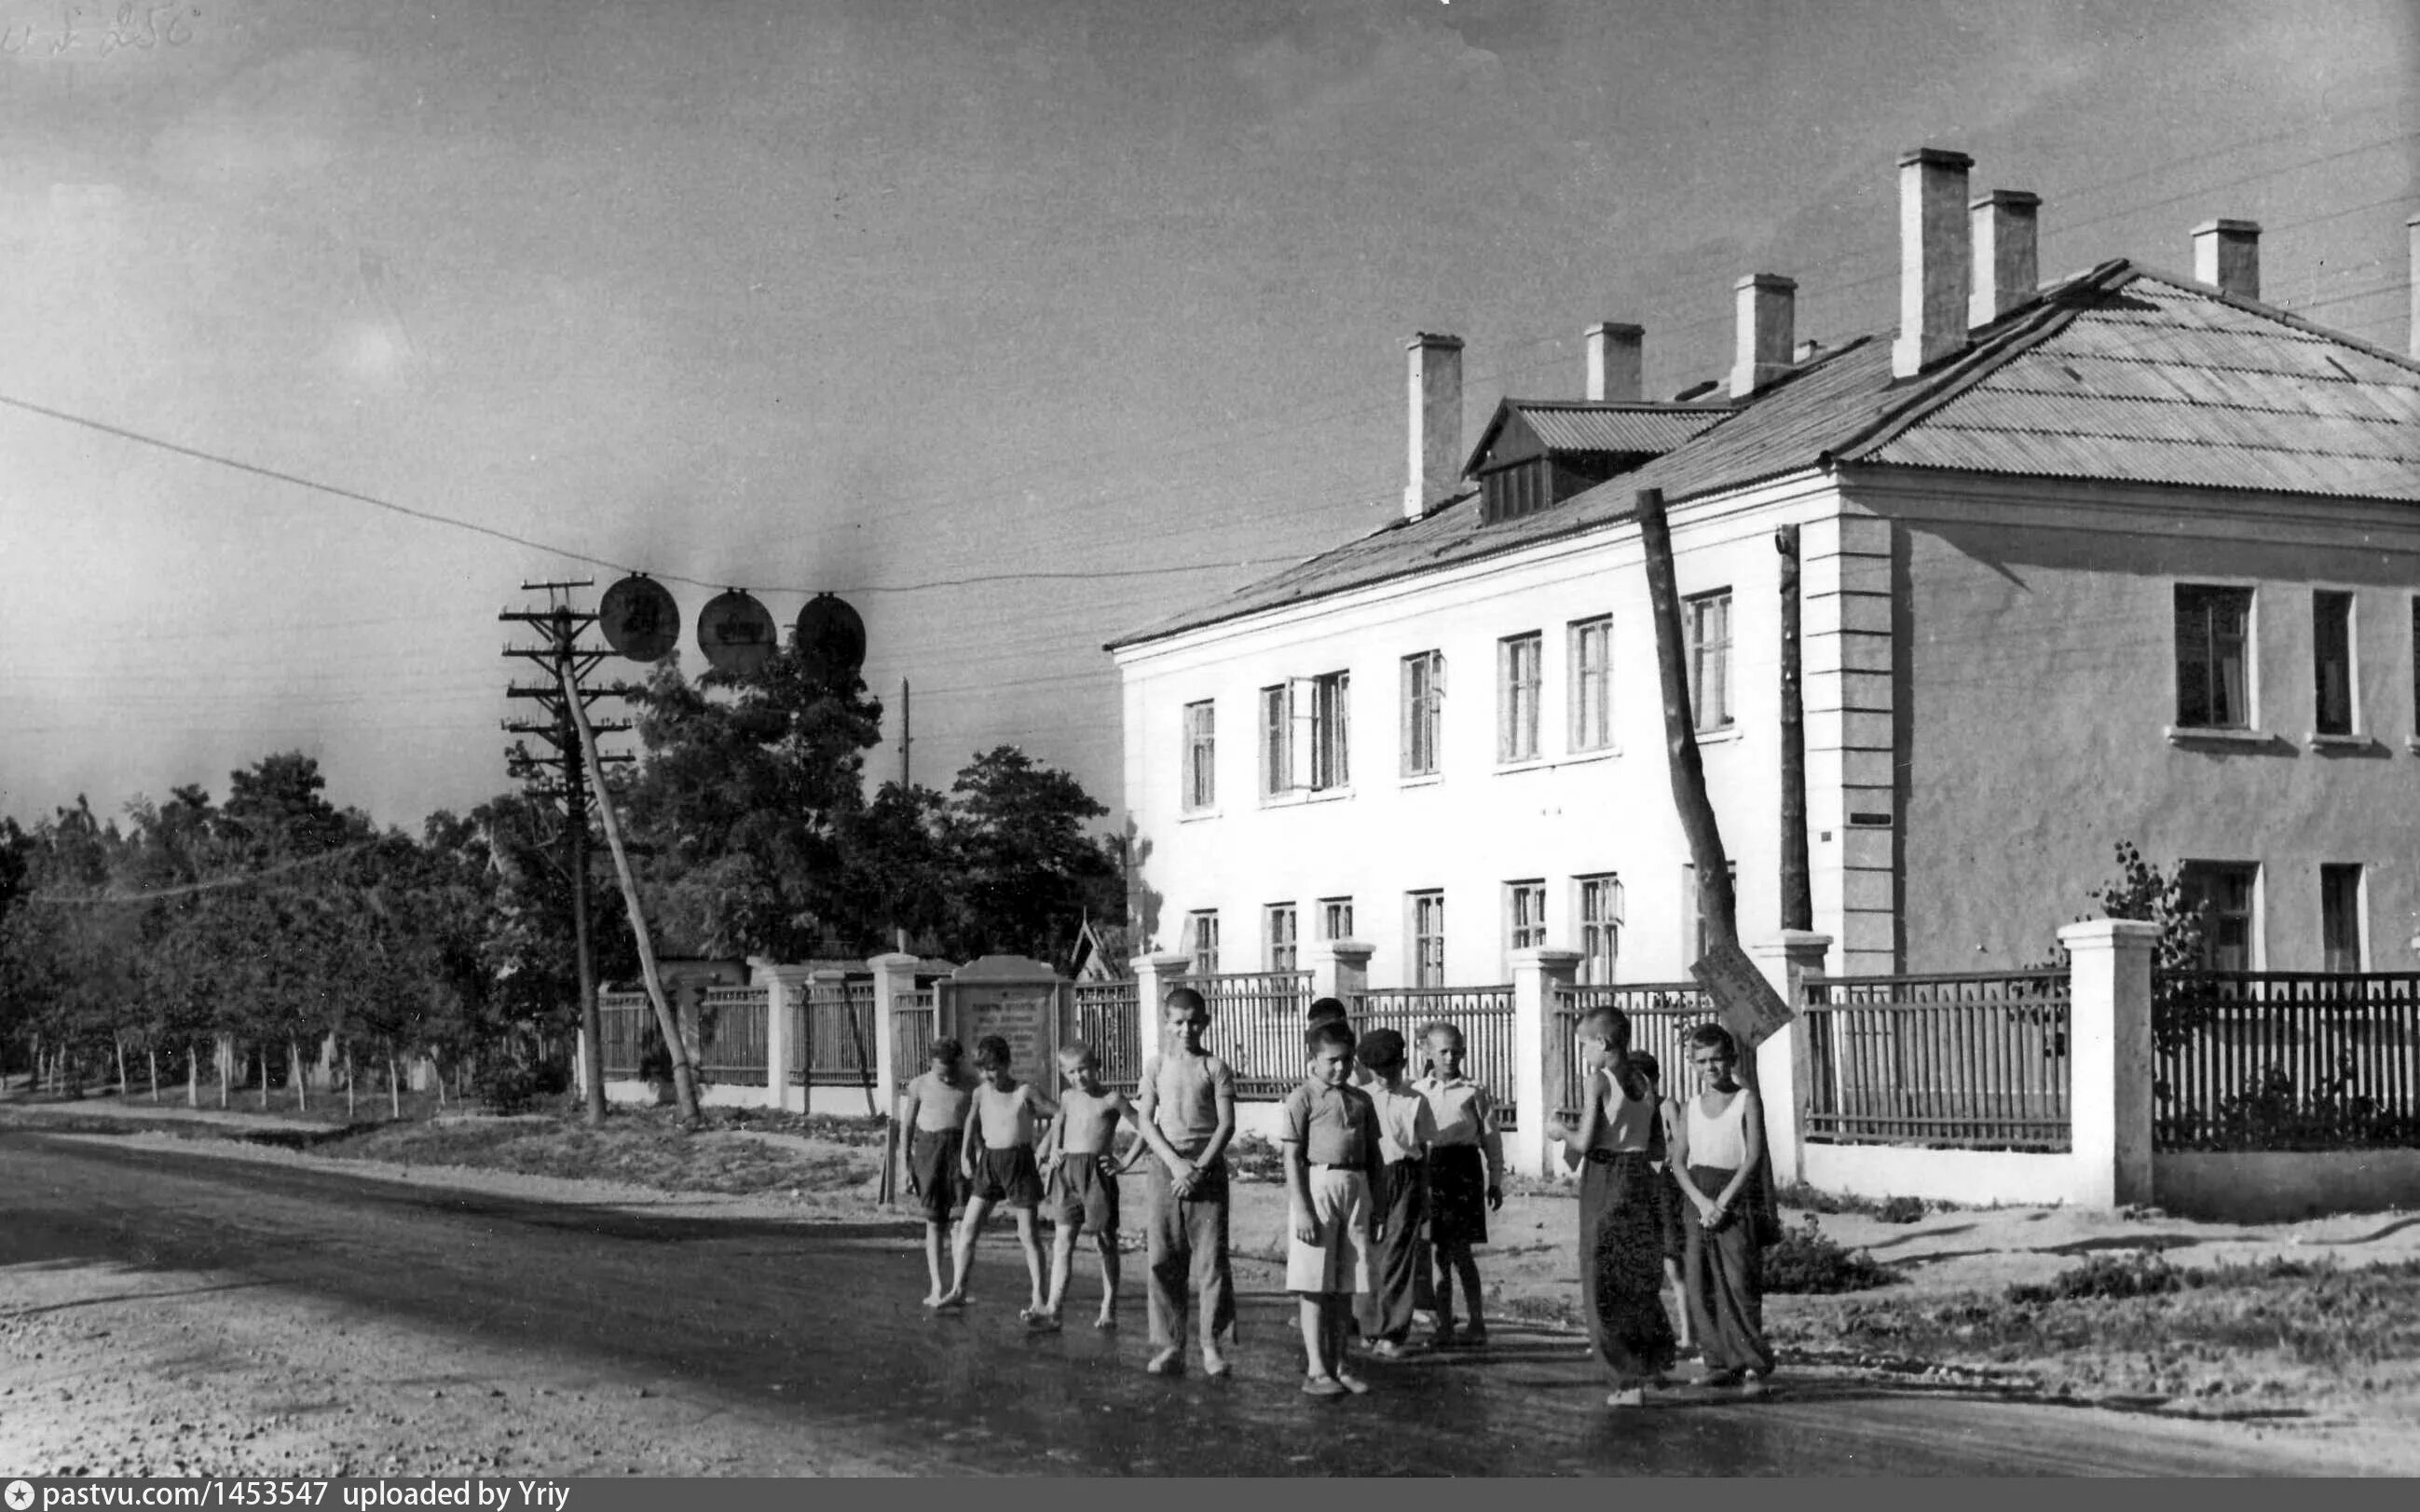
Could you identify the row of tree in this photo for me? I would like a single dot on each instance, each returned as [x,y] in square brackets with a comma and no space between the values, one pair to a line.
[274,919]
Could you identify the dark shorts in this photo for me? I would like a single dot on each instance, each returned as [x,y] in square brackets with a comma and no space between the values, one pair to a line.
[933,1171]
[1457,1197]
[1084,1194]
[1009,1176]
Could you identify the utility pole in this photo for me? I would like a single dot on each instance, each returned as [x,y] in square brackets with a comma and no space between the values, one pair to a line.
[1797,894]
[563,776]
[907,732]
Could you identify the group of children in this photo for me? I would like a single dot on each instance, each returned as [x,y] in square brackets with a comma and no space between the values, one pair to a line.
[1388,1182]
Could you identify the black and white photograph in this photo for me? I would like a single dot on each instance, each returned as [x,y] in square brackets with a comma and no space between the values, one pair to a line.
[1204,738]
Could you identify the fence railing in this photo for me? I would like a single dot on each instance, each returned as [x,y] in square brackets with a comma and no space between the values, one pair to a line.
[913,1016]
[839,1039]
[628,1032]
[1484,1016]
[1966,1060]
[2284,1060]
[1256,1027]
[1661,1015]
[731,1035]
[1108,1017]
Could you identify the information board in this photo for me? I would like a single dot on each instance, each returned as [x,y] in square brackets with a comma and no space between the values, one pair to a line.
[1750,1009]
[1019,1000]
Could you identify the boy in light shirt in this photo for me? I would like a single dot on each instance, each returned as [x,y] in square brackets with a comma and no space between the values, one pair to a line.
[1466,1179]
[1405,1129]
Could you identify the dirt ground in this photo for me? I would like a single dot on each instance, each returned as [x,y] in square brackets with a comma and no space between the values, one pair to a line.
[1956,1265]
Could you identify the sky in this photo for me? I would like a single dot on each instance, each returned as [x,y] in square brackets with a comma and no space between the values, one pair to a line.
[327,324]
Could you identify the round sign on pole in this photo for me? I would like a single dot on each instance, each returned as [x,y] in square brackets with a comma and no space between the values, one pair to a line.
[735,632]
[832,638]
[640,618]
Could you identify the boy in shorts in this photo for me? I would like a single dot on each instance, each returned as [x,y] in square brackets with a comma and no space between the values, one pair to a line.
[1329,1131]
[1080,1176]
[934,1111]
[1466,1179]
[997,1159]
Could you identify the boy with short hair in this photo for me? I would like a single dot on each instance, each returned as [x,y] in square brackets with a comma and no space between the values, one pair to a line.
[1185,1109]
[934,1111]
[1466,1179]
[1405,1128]
[1329,1133]
[1081,1177]
[1000,1132]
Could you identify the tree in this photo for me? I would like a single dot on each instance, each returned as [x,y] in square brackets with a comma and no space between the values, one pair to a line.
[1024,871]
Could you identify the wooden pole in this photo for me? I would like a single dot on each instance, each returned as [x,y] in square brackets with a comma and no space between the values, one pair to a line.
[684,1076]
[575,841]
[1797,894]
[1717,902]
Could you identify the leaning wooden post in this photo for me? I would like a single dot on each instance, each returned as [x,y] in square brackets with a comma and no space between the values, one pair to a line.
[1797,890]
[683,1075]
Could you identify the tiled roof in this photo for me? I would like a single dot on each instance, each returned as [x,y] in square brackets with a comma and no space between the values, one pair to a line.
[2120,373]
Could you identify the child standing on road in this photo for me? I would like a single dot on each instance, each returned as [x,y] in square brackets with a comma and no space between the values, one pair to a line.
[1185,1111]
[934,1110]
[1329,1131]
[1081,1175]
[997,1159]
[1720,1147]
[1466,1179]
[1405,1129]
[1667,1187]
[1621,1273]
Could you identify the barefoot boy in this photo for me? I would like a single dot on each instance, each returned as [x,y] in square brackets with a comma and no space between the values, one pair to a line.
[1329,1131]
[1185,1111]
[1404,1130]
[997,1159]
[934,1110]
[1081,1178]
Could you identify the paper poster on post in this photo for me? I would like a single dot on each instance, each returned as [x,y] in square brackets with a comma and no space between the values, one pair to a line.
[1750,1009]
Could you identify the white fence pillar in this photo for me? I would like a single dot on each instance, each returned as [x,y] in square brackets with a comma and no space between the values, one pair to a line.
[894,975]
[784,987]
[2109,1058]
[1537,974]
[1153,975]
[1789,959]
[1339,968]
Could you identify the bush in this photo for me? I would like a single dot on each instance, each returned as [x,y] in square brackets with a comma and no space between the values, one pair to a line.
[1255,1159]
[2131,1273]
[1901,1210]
[1888,1210]
[1806,1261]
[502,1084]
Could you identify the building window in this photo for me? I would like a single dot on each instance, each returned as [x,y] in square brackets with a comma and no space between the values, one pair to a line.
[2214,687]
[1519,660]
[1600,914]
[1331,764]
[1428,939]
[1335,919]
[1525,915]
[1423,697]
[1277,740]
[1201,755]
[2340,918]
[1201,941]
[2332,662]
[1693,915]
[2226,892]
[1707,618]
[1277,927]
[1592,655]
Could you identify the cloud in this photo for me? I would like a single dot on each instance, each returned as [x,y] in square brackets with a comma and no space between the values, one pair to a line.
[292,117]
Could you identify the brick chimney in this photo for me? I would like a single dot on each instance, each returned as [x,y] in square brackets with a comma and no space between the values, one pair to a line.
[1935,258]
[1767,316]
[1616,361]
[2008,253]
[2227,254]
[1436,453]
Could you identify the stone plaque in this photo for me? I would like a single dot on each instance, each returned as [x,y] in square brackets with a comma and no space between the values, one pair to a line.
[1018,999]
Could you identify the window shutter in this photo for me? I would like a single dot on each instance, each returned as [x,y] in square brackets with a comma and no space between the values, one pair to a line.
[1302,721]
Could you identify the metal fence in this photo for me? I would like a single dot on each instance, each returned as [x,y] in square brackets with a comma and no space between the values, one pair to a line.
[1484,1016]
[838,1044]
[2286,1060]
[1108,1017]
[731,1035]
[628,1021]
[1973,1061]
[1256,1027]
[1661,1015]
[913,1016]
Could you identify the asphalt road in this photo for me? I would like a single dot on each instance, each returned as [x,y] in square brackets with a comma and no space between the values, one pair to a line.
[799,1346]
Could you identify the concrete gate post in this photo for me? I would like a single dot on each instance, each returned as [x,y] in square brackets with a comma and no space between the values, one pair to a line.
[1538,976]
[1339,968]
[2110,1058]
[894,977]
[1789,961]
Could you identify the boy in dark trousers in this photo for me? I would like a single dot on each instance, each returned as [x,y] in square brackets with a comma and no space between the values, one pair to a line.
[1405,1129]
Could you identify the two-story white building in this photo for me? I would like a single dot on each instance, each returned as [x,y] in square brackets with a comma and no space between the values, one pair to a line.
[2128,556]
